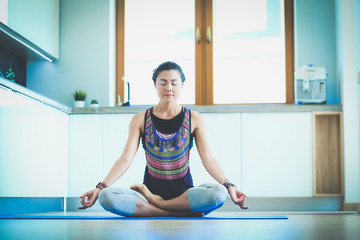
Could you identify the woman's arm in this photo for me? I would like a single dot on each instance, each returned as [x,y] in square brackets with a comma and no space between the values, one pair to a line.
[210,163]
[203,147]
[128,154]
[123,162]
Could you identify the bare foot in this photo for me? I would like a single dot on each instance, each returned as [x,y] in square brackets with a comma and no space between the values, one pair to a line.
[186,214]
[152,198]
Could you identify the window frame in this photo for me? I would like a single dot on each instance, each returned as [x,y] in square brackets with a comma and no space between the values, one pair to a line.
[204,51]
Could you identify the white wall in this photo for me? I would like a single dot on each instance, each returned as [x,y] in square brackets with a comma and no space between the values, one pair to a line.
[347,74]
[84,55]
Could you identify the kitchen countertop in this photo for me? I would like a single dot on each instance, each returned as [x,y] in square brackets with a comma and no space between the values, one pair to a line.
[217,109]
[203,109]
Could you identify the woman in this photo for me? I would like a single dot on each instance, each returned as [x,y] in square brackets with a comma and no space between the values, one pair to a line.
[166,131]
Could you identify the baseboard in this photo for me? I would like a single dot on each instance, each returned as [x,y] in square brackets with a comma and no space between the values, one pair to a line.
[72,204]
[18,205]
[351,206]
[257,204]
[289,204]
[15,205]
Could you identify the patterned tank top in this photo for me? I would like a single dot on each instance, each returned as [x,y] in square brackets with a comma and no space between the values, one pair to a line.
[167,170]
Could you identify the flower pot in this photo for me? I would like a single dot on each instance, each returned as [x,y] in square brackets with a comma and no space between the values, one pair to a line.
[79,104]
[94,105]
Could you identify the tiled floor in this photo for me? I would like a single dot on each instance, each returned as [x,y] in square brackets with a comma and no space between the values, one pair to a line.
[300,225]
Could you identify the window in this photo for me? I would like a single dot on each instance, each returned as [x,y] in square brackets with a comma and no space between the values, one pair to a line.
[249,52]
[231,51]
[158,31]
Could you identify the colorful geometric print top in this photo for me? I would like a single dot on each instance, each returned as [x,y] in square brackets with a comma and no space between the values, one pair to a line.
[167,170]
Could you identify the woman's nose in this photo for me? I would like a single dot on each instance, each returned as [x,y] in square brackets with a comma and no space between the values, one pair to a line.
[168,87]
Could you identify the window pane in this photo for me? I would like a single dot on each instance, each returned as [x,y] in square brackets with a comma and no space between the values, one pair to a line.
[158,31]
[249,51]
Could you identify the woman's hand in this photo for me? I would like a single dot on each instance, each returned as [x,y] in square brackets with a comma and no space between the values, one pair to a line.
[89,198]
[238,197]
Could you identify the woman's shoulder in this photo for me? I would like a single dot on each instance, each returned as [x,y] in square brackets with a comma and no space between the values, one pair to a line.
[195,115]
[137,121]
[139,116]
[196,119]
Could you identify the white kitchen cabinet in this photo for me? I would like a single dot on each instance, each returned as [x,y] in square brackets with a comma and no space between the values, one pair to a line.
[277,154]
[224,135]
[115,134]
[86,153]
[265,154]
[33,149]
[37,21]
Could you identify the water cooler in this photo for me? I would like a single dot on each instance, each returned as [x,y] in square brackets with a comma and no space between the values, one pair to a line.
[310,84]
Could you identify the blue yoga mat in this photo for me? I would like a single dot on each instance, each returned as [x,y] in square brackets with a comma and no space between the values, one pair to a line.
[77,217]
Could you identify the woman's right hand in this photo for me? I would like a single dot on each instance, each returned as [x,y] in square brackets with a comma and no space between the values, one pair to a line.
[89,198]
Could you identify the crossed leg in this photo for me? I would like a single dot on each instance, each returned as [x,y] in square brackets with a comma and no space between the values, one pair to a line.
[140,202]
[180,203]
[145,209]
[127,202]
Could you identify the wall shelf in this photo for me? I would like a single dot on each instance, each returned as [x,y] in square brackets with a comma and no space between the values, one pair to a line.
[20,46]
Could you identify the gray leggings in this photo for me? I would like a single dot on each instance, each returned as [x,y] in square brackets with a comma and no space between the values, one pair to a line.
[203,198]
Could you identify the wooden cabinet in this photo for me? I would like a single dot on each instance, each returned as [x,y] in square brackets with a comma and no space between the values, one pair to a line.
[328,154]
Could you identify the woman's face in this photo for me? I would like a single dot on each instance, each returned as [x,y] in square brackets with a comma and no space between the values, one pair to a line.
[169,85]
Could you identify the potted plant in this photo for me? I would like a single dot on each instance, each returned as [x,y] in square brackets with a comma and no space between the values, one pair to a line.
[94,103]
[79,97]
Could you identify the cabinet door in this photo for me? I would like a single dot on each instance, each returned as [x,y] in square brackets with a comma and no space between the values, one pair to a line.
[277,154]
[33,150]
[37,21]
[223,133]
[85,147]
[116,131]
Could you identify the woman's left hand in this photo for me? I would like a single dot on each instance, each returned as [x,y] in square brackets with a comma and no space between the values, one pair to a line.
[238,197]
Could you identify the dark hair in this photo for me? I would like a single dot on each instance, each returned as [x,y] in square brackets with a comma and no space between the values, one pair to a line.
[166,66]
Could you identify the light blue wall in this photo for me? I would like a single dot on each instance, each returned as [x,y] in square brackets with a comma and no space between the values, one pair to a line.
[357,16]
[84,55]
[38,21]
[315,40]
